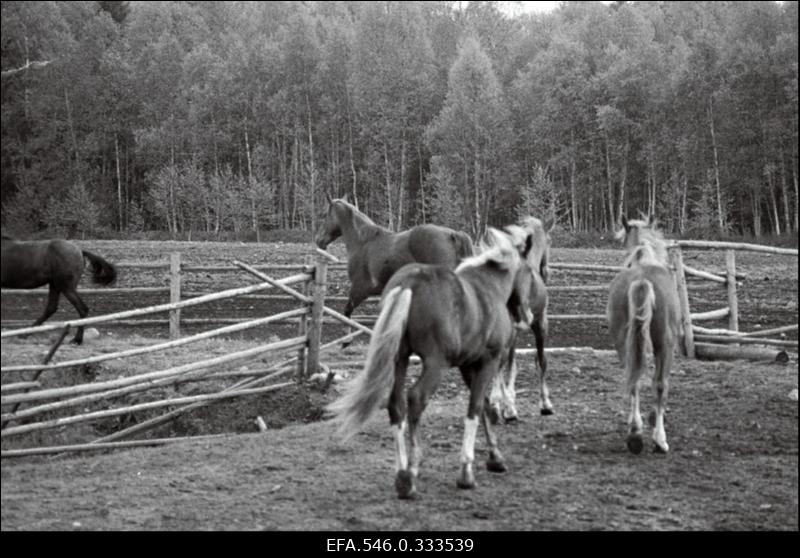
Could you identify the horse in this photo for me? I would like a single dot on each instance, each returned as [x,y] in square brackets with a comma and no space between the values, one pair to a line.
[503,395]
[57,263]
[450,318]
[642,311]
[375,253]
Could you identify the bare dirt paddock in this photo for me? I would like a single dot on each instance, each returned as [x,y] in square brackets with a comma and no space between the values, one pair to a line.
[732,429]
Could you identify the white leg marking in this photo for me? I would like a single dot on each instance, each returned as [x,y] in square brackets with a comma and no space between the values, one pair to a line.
[468,446]
[401,462]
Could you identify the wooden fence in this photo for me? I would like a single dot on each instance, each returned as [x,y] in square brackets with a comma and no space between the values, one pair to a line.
[306,345]
[41,403]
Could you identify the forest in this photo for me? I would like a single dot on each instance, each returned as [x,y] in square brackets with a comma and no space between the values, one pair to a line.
[228,119]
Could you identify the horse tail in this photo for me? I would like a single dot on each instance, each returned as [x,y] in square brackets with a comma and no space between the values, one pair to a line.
[103,272]
[463,245]
[369,389]
[641,301]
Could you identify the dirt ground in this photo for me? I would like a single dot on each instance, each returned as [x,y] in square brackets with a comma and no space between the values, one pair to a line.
[732,429]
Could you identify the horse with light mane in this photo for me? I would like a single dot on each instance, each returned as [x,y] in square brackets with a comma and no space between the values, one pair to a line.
[503,395]
[449,318]
[643,311]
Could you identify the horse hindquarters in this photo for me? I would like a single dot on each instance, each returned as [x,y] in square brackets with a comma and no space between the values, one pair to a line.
[641,301]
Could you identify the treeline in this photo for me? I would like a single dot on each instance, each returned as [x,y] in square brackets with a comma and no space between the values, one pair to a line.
[243,116]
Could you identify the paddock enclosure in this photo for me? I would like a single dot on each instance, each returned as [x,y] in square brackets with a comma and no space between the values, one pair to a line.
[732,423]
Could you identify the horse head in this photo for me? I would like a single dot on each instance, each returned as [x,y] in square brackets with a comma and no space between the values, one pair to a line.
[519,303]
[330,229]
[638,232]
[539,254]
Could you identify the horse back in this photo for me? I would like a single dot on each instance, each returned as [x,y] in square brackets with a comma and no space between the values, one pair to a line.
[450,316]
[434,244]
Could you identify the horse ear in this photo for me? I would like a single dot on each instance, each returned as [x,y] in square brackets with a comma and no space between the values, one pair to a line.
[624,221]
[330,199]
[651,221]
[549,223]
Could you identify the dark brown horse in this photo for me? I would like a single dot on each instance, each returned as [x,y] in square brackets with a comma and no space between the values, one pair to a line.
[375,253]
[57,263]
[449,318]
[503,396]
[643,311]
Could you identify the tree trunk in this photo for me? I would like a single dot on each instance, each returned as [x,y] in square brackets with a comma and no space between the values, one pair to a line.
[312,169]
[787,222]
[402,187]
[250,185]
[388,186]
[119,181]
[609,183]
[720,216]
[421,183]
[72,133]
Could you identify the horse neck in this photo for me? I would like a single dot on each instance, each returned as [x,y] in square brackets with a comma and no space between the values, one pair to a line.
[356,228]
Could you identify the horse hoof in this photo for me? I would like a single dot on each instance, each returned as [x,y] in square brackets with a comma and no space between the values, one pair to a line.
[511,420]
[465,484]
[404,484]
[546,412]
[76,342]
[635,444]
[658,449]
[496,465]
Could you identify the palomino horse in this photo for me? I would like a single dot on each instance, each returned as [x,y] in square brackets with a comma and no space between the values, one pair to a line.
[503,396]
[643,310]
[449,318]
[375,253]
[57,263]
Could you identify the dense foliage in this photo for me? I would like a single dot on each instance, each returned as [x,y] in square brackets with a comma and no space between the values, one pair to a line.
[210,117]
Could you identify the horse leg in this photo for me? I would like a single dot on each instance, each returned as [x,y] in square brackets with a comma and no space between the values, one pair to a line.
[509,411]
[418,396]
[52,306]
[496,399]
[83,311]
[539,328]
[660,387]
[634,417]
[404,479]
[478,378]
[495,463]
[353,300]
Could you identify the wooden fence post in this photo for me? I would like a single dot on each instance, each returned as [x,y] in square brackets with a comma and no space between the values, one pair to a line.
[315,323]
[676,260]
[302,328]
[175,294]
[733,301]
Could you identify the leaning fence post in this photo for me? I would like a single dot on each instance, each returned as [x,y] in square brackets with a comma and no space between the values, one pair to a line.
[733,301]
[174,294]
[302,328]
[318,286]
[676,259]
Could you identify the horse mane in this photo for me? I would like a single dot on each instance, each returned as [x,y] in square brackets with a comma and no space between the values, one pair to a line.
[365,227]
[498,249]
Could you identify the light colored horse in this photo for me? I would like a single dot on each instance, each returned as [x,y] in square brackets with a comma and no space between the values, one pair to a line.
[503,395]
[643,311]
[449,318]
